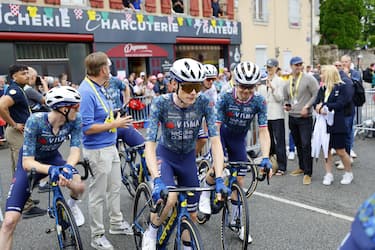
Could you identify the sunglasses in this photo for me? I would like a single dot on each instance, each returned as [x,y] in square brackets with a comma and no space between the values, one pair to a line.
[242,86]
[298,64]
[338,65]
[189,87]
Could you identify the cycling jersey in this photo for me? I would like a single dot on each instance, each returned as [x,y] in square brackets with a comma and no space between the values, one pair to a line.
[40,141]
[179,126]
[236,115]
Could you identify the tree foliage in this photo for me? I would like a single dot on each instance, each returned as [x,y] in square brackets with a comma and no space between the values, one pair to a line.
[368,21]
[340,22]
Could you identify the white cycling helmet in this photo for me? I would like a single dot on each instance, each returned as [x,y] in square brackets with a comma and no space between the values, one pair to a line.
[62,97]
[247,73]
[187,70]
[210,70]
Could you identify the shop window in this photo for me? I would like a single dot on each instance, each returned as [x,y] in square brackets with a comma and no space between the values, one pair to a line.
[294,13]
[28,51]
[203,53]
[166,6]
[260,13]
[180,6]
[82,3]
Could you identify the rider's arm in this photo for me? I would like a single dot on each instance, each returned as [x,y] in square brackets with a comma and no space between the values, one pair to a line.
[29,162]
[217,155]
[151,160]
[265,141]
[74,156]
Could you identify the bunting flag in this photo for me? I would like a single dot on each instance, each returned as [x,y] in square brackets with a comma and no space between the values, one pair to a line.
[189,21]
[205,23]
[221,22]
[32,11]
[150,19]
[227,23]
[139,18]
[64,12]
[197,23]
[170,20]
[213,22]
[180,21]
[78,13]
[104,15]
[91,14]
[128,17]
[48,12]
[14,9]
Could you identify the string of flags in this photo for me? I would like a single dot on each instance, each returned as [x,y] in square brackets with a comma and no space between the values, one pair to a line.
[93,15]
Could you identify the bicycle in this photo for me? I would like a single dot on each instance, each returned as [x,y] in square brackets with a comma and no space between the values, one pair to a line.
[65,226]
[132,173]
[231,225]
[179,218]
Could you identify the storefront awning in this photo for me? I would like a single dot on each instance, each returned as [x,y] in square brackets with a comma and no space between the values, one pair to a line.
[194,40]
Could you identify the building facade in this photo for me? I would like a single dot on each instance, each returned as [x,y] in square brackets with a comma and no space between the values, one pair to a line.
[54,36]
[279,29]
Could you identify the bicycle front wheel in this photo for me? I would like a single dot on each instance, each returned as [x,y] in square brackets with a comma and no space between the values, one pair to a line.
[66,227]
[189,236]
[141,212]
[235,224]
[128,177]
[253,181]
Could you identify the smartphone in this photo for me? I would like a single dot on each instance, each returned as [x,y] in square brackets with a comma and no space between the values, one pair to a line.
[288,105]
[38,81]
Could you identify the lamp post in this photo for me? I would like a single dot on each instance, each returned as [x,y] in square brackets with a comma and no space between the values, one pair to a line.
[359,57]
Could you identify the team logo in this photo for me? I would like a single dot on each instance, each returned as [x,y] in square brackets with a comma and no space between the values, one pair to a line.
[230,114]
[42,141]
[12,91]
[169,125]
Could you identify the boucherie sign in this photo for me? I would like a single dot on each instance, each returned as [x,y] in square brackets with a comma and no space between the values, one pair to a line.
[107,25]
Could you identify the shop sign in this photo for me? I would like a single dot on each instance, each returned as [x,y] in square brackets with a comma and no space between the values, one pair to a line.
[137,50]
[166,66]
[113,26]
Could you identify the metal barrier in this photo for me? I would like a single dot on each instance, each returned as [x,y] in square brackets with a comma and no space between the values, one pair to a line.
[366,116]
[140,116]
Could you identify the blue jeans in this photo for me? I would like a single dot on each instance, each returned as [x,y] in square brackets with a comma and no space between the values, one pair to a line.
[350,133]
[292,146]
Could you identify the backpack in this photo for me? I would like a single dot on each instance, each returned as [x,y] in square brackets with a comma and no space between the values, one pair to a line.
[359,97]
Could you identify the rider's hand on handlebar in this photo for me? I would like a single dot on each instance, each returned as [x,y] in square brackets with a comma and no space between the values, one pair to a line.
[159,187]
[267,165]
[62,174]
[221,189]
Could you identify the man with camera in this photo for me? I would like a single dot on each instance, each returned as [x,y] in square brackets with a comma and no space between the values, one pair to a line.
[35,98]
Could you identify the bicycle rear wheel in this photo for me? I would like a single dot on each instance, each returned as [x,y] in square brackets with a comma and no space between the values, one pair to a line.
[190,232]
[253,181]
[141,212]
[235,221]
[66,228]
[128,176]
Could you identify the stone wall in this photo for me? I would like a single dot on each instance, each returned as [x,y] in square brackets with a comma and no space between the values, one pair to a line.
[327,54]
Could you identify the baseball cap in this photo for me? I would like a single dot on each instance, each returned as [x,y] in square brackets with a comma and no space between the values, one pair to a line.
[142,74]
[296,60]
[272,62]
[160,75]
[138,80]
[153,77]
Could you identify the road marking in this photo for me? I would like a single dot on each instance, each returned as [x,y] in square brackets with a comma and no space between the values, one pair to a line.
[308,207]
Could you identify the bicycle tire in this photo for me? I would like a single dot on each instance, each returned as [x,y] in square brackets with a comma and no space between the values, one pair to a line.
[202,218]
[127,176]
[66,228]
[141,212]
[253,182]
[230,231]
[84,166]
[195,238]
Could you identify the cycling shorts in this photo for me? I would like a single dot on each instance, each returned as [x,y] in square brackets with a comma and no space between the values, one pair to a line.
[130,136]
[234,146]
[183,168]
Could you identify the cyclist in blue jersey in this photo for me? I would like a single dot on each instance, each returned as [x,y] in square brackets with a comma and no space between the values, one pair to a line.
[236,110]
[44,133]
[209,90]
[180,117]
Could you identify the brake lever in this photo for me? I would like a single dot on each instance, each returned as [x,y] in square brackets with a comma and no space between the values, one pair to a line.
[265,175]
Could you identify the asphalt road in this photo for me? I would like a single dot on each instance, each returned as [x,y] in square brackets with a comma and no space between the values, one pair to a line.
[284,215]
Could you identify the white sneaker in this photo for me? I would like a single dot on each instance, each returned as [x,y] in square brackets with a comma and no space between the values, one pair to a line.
[148,242]
[123,228]
[241,234]
[205,204]
[291,156]
[333,151]
[76,211]
[101,243]
[353,154]
[328,179]
[340,165]
[347,178]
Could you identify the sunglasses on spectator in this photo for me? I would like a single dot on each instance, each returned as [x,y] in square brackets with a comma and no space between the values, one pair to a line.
[189,87]
[243,86]
[338,65]
[298,64]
